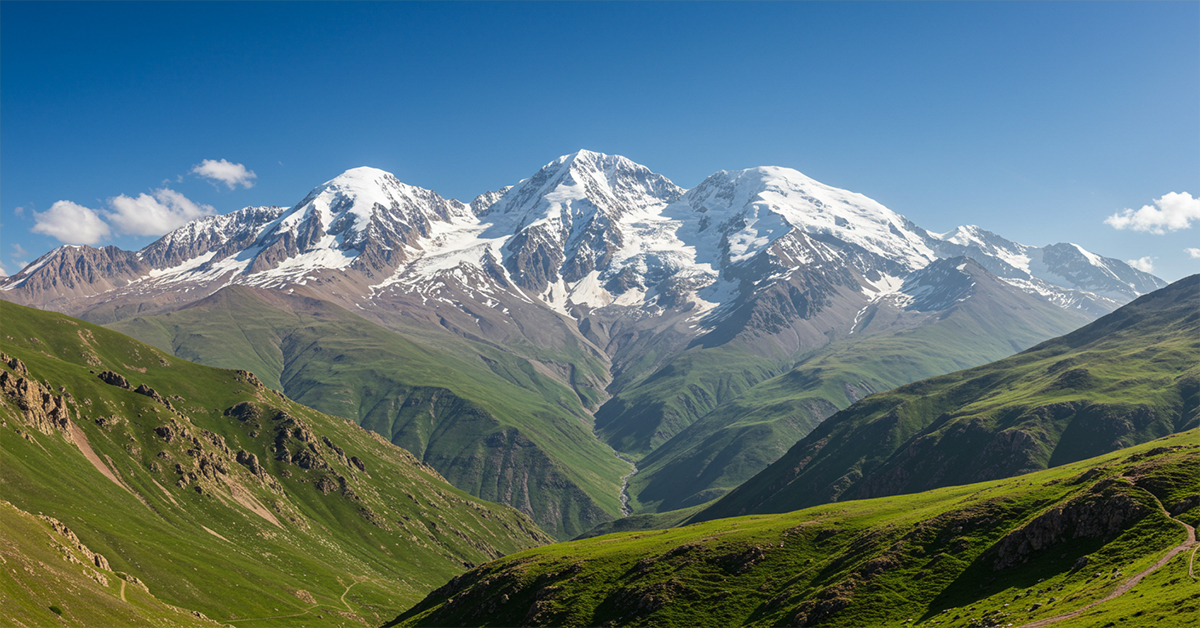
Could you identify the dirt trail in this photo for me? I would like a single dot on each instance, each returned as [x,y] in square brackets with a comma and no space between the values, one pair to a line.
[123,592]
[347,604]
[1129,584]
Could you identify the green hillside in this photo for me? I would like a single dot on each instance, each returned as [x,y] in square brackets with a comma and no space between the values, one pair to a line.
[488,421]
[1129,377]
[999,553]
[218,494]
[740,437]
[51,579]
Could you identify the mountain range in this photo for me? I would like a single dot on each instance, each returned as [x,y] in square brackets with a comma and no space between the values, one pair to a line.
[695,332]
[1061,484]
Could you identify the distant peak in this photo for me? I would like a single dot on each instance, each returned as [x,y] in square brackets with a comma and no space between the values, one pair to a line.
[361,174]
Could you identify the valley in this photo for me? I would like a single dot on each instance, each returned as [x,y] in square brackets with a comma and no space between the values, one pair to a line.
[759,401]
[695,332]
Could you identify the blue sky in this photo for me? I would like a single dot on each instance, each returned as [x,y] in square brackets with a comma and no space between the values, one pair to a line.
[1035,120]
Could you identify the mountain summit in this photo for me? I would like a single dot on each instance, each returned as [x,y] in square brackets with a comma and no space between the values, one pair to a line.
[703,326]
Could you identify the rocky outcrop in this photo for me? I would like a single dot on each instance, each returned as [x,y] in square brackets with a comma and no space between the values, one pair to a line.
[250,461]
[1104,511]
[151,393]
[94,559]
[41,409]
[114,379]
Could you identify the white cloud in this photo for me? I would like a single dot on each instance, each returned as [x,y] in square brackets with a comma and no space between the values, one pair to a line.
[1145,264]
[1193,253]
[154,215]
[70,223]
[1174,211]
[230,174]
[18,251]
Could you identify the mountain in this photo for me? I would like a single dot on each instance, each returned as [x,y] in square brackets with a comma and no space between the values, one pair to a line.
[1129,377]
[492,428]
[634,308]
[1065,273]
[1005,552]
[156,485]
[977,318]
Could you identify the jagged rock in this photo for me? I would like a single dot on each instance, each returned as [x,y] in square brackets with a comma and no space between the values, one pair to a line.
[358,463]
[249,378]
[93,557]
[114,379]
[251,462]
[14,364]
[143,389]
[41,409]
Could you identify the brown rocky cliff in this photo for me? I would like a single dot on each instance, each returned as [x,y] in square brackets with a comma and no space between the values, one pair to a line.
[40,408]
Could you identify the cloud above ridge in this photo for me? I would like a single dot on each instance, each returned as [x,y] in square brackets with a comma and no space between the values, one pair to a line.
[71,223]
[1172,212]
[147,215]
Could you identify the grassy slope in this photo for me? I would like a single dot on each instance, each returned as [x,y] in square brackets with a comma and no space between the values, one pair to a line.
[45,570]
[1129,377]
[312,533]
[646,414]
[741,437]
[982,554]
[471,422]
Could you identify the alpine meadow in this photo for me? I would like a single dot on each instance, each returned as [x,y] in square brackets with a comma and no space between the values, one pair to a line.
[347,314]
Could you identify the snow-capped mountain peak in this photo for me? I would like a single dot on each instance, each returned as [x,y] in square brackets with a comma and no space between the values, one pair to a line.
[587,229]
[351,203]
[583,183]
[754,207]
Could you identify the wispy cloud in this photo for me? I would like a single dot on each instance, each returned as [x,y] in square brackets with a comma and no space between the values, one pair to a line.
[226,172]
[1172,212]
[71,223]
[1193,253]
[1144,264]
[19,251]
[154,215]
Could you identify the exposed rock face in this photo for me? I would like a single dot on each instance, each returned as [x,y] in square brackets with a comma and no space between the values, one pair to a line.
[96,559]
[221,235]
[251,462]
[71,272]
[14,364]
[151,393]
[41,409]
[1104,511]
[114,379]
